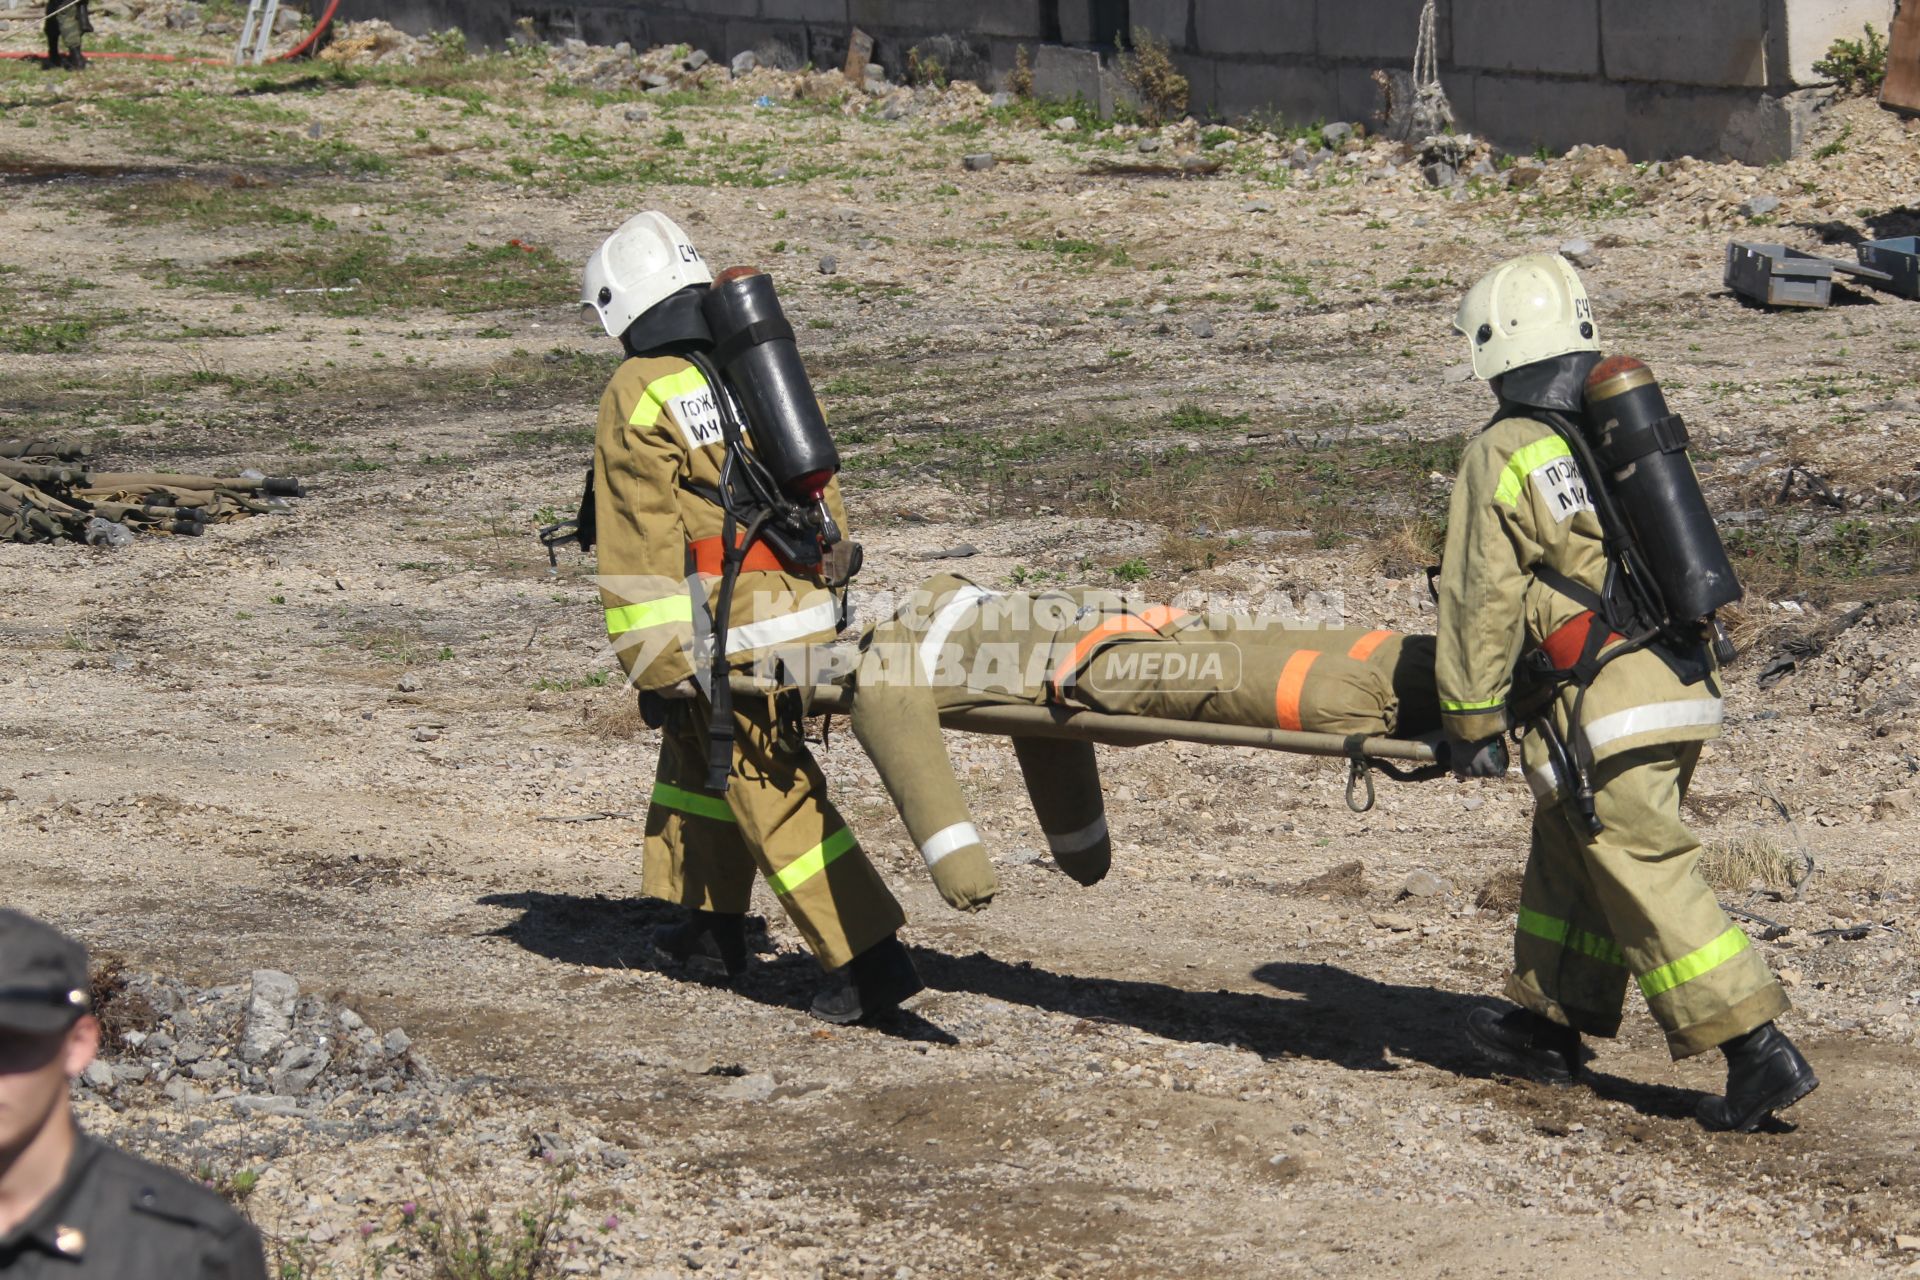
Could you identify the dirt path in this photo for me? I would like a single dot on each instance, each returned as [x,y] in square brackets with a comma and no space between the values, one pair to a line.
[1221,1060]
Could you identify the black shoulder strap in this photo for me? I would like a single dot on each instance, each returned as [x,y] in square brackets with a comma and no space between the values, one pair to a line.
[1584,596]
[578,530]
[585,520]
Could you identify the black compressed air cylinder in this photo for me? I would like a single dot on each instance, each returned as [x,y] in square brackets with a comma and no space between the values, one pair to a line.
[1641,445]
[754,346]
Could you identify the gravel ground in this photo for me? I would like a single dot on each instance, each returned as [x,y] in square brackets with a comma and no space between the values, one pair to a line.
[370,747]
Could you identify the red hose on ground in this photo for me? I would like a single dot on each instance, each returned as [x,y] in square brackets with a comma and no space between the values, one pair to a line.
[299,50]
[313,37]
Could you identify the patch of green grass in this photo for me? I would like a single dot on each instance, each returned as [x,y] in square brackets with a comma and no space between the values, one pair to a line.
[1189,416]
[1232,470]
[33,338]
[1080,252]
[1851,557]
[190,202]
[374,278]
[1837,147]
[847,384]
[567,684]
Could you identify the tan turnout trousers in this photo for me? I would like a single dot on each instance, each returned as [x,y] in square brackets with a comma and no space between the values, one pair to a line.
[1629,902]
[703,850]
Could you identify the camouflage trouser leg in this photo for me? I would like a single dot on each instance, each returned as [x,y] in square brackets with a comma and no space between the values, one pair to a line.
[1630,902]
[779,817]
[65,26]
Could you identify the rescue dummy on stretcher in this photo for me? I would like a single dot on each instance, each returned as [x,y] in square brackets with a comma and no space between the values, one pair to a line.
[958,646]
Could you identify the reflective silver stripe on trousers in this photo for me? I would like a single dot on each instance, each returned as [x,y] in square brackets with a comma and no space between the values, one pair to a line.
[1079,841]
[963,602]
[1544,783]
[784,629]
[1652,717]
[950,840]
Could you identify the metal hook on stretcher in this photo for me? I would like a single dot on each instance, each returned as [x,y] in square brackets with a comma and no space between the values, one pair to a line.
[1358,773]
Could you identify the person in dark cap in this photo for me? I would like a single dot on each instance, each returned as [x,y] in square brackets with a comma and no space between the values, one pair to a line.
[72,1207]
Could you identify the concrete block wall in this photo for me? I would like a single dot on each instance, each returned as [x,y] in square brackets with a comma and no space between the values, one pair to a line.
[1655,77]
[814,30]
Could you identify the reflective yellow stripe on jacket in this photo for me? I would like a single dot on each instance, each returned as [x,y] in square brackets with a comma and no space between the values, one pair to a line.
[1546,927]
[1692,965]
[660,391]
[649,613]
[1655,982]
[1525,461]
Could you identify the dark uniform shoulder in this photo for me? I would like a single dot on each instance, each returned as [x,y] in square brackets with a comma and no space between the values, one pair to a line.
[151,1189]
[163,1201]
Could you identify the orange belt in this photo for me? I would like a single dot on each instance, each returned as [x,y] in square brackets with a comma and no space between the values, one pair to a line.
[1564,647]
[709,559]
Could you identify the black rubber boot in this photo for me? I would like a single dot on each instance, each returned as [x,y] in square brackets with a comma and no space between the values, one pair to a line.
[1525,1044]
[1765,1074]
[706,939]
[53,54]
[877,980]
[76,60]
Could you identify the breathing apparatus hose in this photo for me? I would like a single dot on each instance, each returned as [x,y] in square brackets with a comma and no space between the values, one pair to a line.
[720,734]
[1573,761]
[737,470]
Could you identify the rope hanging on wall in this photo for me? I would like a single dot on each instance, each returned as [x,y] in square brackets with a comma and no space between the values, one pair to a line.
[1432,113]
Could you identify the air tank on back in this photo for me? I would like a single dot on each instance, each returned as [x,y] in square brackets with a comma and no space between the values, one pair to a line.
[754,346]
[1642,448]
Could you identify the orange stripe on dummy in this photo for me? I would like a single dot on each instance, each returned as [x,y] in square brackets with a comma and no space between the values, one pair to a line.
[1363,647]
[1293,683]
[1151,618]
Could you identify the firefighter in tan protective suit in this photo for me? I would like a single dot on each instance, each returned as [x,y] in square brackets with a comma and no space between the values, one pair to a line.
[956,645]
[1524,568]
[658,450]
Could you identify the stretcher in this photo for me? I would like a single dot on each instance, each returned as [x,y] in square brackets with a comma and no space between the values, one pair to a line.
[1363,754]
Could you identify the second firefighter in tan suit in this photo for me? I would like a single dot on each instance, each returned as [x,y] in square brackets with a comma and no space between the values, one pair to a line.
[658,450]
[1523,557]
[956,645]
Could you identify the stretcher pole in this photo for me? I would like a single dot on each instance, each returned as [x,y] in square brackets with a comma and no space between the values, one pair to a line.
[1126,731]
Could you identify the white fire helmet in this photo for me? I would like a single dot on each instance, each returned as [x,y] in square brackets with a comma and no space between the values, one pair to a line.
[1525,310]
[645,262]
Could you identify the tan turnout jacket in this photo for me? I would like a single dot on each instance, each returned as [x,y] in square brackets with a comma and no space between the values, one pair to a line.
[659,431]
[1520,503]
